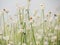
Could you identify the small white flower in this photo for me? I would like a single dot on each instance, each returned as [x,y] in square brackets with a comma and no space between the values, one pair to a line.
[57,27]
[51,19]
[53,38]
[50,34]
[42,6]
[31,21]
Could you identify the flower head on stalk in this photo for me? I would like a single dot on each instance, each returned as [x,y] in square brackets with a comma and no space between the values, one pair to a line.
[28,0]
[31,20]
[5,10]
[55,15]
[50,12]
[42,6]
[6,38]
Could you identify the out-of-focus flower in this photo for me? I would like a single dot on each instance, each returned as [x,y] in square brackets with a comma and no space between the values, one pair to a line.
[51,19]
[31,19]
[57,27]
[55,15]
[28,0]
[27,28]
[53,38]
[10,18]
[50,34]
[38,36]
[50,12]
[7,25]
[25,20]
[28,3]
[5,10]
[6,38]
[42,6]
[21,30]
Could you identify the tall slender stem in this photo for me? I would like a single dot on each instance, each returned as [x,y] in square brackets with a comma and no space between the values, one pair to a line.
[33,34]
[43,26]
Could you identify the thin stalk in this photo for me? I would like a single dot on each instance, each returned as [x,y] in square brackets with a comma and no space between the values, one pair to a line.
[33,34]
[28,14]
[4,24]
[28,9]
[4,34]
[57,37]
[43,27]
[58,30]
[25,33]
[15,34]
[21,24]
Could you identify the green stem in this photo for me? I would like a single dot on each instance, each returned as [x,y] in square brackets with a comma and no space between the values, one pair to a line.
[4,34]
[33,35]
[43,27]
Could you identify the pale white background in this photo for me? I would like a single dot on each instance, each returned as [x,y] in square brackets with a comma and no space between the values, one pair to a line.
[52,5]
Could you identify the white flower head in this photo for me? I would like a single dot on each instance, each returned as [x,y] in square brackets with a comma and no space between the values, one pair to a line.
[31,19]
[42,6]
[6,10]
